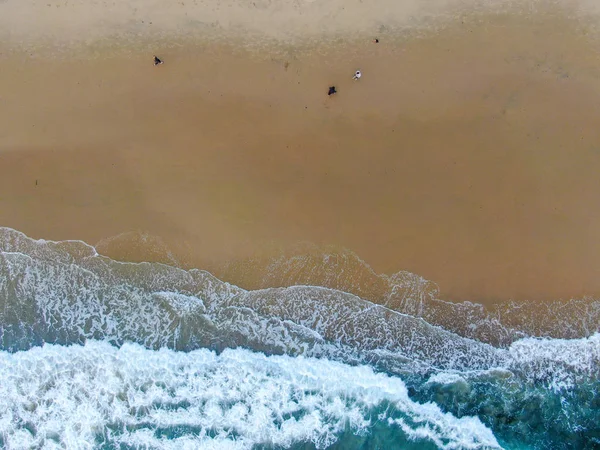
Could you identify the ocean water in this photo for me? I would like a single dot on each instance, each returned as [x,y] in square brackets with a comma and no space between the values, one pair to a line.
[103,354]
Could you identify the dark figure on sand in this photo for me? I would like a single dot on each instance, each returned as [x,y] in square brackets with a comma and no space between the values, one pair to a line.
[157,61]
[331,90]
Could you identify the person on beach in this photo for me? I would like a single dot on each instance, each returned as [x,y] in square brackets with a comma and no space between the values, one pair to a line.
[332,90]
[157,61]
[357,75]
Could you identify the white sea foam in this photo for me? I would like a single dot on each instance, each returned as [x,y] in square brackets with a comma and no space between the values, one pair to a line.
[559,362]
[445,437]
[446,378]
[82,396]
[65,293]
[77,397]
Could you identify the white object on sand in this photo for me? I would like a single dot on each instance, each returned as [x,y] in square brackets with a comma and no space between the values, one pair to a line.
[357,75]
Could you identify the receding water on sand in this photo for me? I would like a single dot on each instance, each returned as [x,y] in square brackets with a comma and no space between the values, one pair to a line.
[145,354]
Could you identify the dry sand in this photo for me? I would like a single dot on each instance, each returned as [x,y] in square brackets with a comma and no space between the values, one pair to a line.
[468,153]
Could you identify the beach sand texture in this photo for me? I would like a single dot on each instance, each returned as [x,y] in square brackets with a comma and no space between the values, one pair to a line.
[468,152]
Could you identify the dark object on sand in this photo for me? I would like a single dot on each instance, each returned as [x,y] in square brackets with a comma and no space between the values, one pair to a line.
[331,90]
[157,61]
[376,40]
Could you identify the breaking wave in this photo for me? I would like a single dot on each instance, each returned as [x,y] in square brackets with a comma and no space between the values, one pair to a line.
[146,355]
[100,395]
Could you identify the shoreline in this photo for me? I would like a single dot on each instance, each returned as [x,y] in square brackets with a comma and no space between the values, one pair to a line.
[466,156]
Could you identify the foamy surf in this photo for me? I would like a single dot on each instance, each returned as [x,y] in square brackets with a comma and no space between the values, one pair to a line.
[81,323]
[98,395]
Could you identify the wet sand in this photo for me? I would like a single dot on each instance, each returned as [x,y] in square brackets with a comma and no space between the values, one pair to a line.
[468,155]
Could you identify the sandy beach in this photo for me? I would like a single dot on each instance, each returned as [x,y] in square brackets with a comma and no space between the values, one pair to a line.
[468,152]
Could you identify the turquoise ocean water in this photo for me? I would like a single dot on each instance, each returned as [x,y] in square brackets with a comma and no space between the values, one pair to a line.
[99,354]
